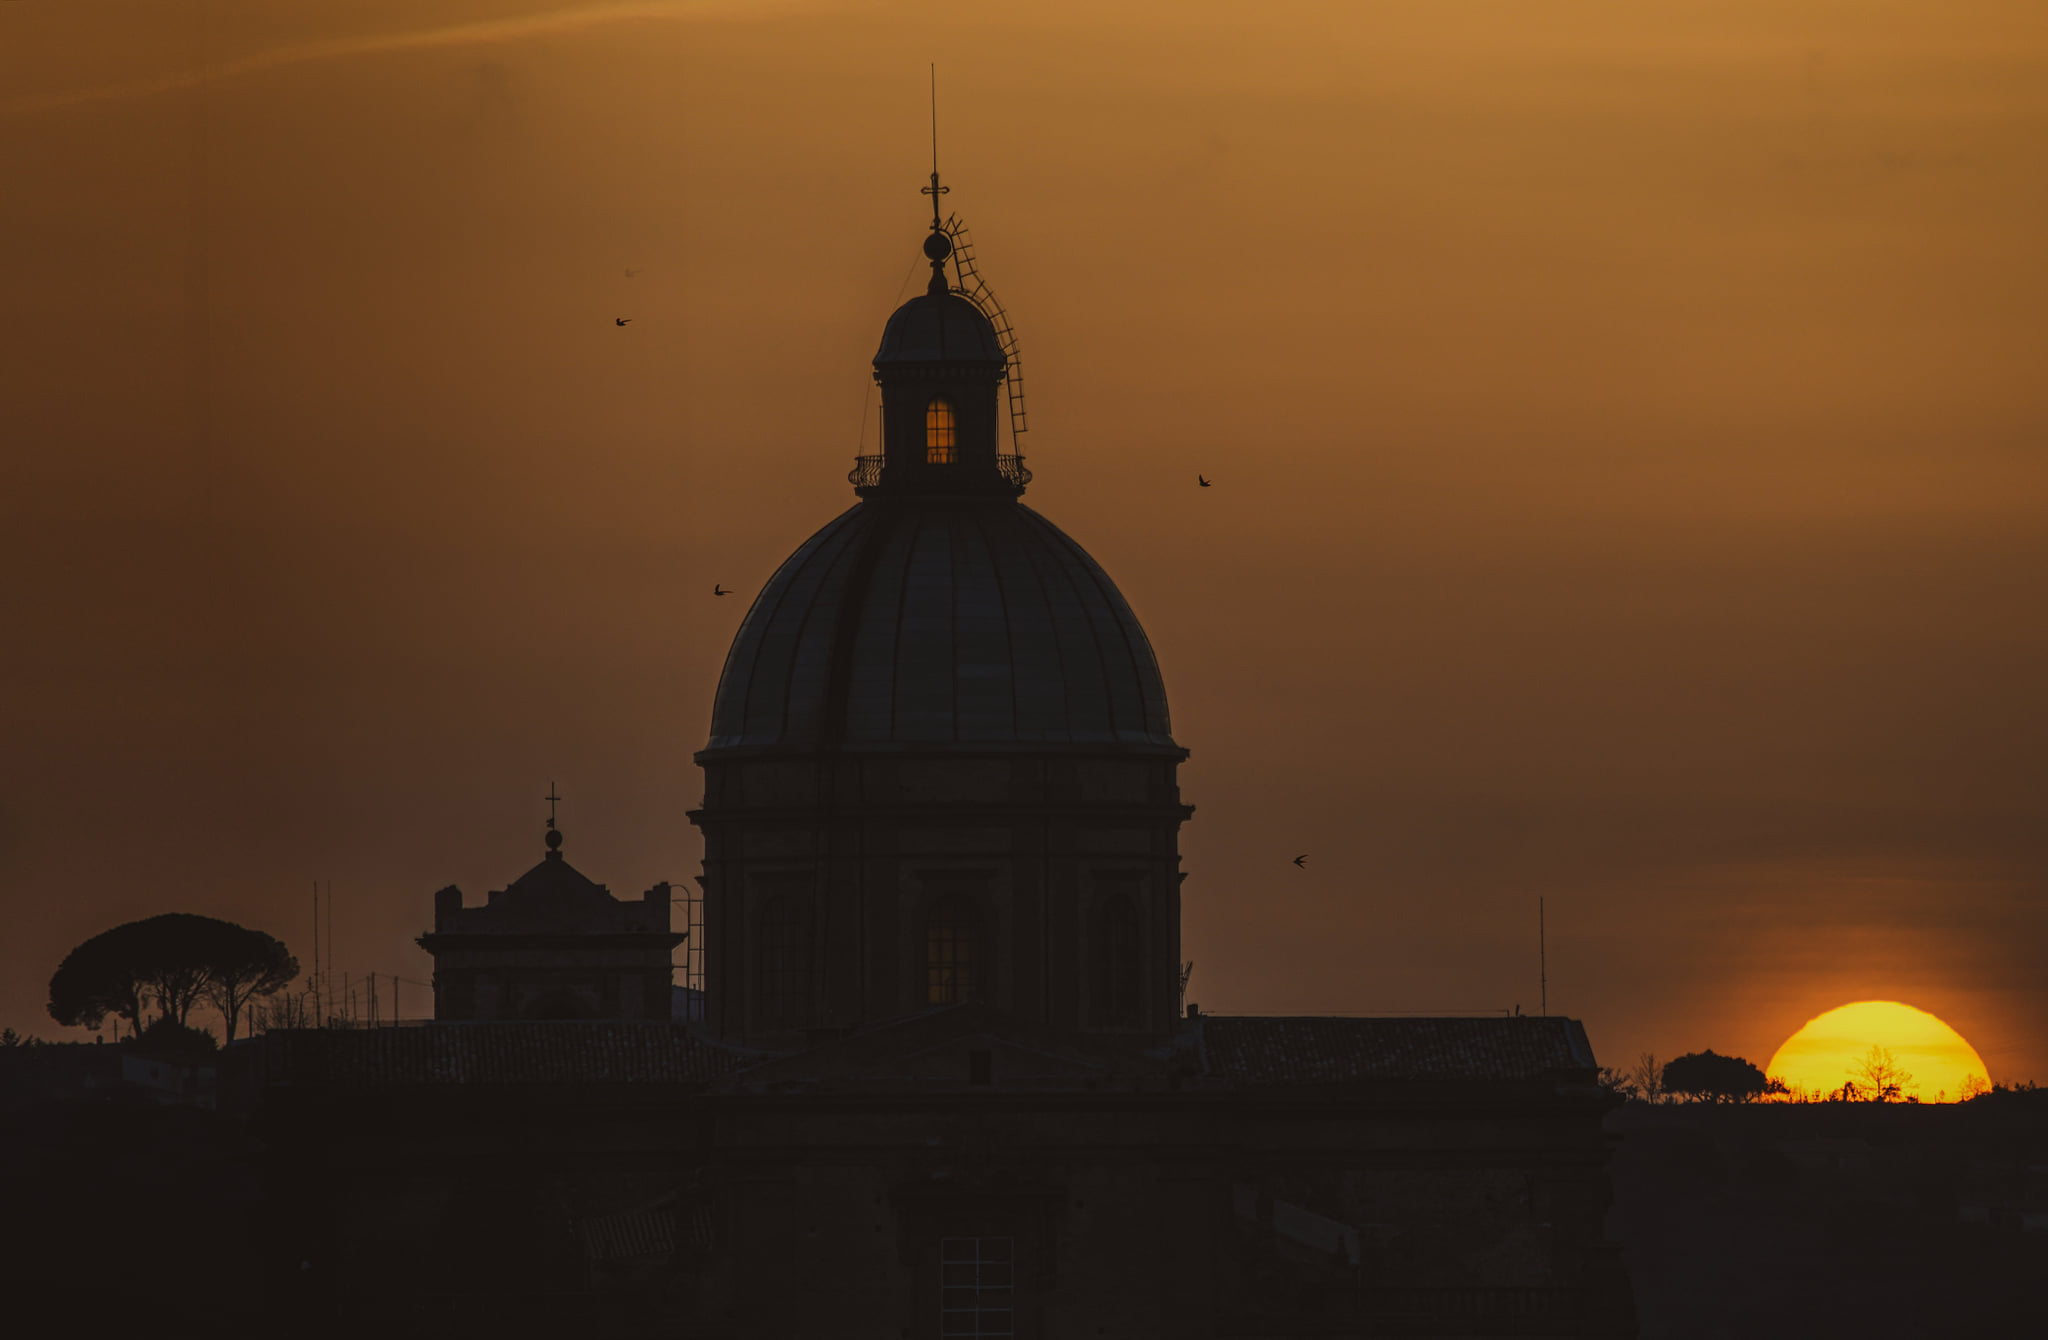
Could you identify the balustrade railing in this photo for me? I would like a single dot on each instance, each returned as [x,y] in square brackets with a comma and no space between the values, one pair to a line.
[867,473]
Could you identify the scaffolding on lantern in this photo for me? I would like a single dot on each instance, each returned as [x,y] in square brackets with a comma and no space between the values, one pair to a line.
[975,289]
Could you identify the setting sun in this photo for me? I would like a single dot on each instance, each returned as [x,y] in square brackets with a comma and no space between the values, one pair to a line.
[1939,1064]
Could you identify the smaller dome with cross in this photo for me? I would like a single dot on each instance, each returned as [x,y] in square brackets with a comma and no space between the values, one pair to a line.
[940,328]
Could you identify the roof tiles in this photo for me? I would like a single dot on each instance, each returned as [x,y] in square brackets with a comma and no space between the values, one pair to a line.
[1329,1050]
[508,1052]
[1242,1051]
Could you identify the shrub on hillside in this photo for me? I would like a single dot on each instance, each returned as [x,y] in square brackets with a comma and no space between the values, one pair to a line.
[1707,1077]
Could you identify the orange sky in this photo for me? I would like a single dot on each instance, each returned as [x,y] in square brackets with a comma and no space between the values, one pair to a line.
[1627,427]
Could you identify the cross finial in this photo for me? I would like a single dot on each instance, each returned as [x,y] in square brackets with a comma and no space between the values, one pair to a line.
[938,246]
[551,798]
[935,190]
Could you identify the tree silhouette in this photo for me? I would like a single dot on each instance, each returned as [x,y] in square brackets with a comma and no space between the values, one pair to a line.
[1648,1078]
[1883,1079]
[173,960]
[244,964]
[105,975]
[1618,1083]
[290,1009]
[1706,1077]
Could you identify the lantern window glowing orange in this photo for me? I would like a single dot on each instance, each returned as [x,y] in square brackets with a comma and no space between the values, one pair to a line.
[941,439]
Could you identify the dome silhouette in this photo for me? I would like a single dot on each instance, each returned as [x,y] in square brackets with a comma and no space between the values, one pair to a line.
[953,624]
[939,328]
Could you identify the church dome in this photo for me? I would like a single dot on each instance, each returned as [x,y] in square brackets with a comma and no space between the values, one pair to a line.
[950,624]
[939,328]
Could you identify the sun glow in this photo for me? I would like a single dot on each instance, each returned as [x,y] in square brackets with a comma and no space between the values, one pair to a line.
[1833,1049]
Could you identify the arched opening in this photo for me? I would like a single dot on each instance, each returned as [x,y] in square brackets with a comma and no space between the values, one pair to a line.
[941,432]
[1119,963]
[783,962]
[952,953]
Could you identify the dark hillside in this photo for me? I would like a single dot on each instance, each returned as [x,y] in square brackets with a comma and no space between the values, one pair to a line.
[1812,1220]
[127,1216]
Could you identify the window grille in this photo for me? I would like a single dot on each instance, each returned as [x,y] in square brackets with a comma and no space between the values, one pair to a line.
[784,954]
[977,1294]
[952,953]
[941,436]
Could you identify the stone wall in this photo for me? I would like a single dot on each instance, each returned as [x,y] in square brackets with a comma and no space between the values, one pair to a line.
[869,844]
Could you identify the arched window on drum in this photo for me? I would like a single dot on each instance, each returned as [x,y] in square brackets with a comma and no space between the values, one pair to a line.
[941,432]
[952,952]
[1119,963]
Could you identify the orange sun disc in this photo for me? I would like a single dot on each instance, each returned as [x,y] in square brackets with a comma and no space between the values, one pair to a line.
[1833,1049]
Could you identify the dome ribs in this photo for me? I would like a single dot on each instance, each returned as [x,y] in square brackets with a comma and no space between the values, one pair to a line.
[1090,699]
[924,709]
[1149,705]
[984,697]
[940,623]
[834,693]
[735,716]
[868,630]
[999,585]
[807,689]
[1039,667]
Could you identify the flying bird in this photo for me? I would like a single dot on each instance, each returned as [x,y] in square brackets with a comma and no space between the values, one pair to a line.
[1302,860]
[621,320]
[1203,482]
[718,590]
[631,273]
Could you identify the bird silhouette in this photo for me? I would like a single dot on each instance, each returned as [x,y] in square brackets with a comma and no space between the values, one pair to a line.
[631,273]
[621,320]
[1302,860]
[718,590]
[1203,482]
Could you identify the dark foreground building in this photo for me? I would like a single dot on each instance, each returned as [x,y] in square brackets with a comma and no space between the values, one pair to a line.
[955,1172]
[944,1085]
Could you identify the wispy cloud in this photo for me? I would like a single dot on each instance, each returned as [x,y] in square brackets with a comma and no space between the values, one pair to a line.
[575,18]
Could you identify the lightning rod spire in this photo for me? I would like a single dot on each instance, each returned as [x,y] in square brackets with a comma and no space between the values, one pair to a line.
[938,246]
